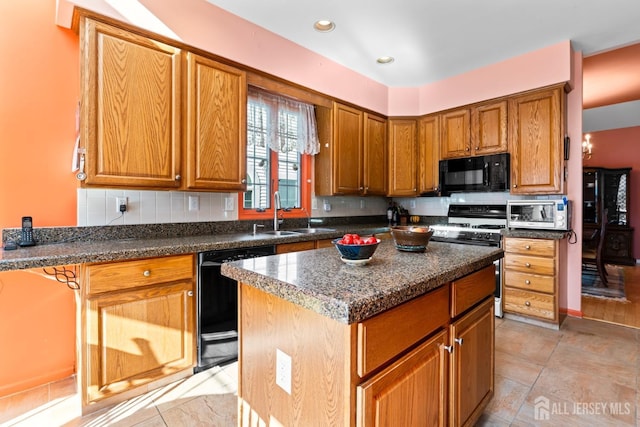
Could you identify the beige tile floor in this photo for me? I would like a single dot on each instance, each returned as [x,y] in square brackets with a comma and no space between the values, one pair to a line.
[581,374]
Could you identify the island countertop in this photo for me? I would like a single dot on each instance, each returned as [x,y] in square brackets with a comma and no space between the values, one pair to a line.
[319,281]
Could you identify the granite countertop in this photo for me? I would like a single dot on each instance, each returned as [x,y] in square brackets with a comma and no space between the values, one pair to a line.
[351,294]
[535,234]
[118,249]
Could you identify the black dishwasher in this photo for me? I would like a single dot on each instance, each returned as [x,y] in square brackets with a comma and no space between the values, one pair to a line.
[217,299]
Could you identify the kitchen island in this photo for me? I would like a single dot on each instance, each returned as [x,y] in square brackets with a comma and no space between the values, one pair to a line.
[325,343]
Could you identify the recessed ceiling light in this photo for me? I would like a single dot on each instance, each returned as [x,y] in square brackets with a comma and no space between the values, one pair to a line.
[324,26]
[385,60]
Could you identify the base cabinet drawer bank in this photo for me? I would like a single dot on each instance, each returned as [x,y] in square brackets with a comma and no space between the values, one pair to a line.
[531,271]
[426,362]
[137,327]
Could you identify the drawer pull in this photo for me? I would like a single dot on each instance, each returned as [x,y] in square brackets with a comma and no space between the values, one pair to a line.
[527,303]
[527,282]
[448,348]
[527,247]
[458,341]
[526,264]
[146,273]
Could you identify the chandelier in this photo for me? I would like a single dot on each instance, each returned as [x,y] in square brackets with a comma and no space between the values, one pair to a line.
[586,147]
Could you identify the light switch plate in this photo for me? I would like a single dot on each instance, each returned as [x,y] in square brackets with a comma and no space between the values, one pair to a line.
[228,203]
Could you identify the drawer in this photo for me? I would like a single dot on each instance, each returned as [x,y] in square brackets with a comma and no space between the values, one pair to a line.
[471,289]
[284,248]
[533,304]
[537,247]
[530,264]
[530,282]
[385,336]
[143,272]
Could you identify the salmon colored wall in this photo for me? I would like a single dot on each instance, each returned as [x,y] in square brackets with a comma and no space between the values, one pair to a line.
[38,96]
[620,148]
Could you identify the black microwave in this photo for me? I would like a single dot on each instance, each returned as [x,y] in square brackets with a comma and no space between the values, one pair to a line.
[474,174]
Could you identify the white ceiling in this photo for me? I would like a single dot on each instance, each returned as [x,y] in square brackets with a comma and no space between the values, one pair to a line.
[435,39]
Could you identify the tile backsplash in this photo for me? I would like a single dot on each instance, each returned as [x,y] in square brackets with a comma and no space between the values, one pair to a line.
[98,207]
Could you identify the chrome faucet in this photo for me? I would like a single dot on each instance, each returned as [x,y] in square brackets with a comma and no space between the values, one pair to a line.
[276,208]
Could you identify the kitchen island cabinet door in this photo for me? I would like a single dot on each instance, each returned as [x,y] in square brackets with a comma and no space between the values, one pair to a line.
[135,337]
[216,120]
[472,364]
[410,392]
[536,132]
[130,108]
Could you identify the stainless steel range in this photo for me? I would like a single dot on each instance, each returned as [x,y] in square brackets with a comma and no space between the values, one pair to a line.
[476,225]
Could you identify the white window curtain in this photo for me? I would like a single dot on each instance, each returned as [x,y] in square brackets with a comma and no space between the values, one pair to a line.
[282,113]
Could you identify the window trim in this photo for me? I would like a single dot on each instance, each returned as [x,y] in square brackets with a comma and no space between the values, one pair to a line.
[305,194]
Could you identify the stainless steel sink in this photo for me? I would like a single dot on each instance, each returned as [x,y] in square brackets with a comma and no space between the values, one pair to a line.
[279,232]
[313,230]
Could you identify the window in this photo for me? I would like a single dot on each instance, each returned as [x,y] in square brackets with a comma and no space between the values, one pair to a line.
[281,137]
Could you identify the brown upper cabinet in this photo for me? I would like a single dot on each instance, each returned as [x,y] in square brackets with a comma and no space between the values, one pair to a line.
[536,130]
[216,136]
[475,131]
[135,115]
[456,133]
[428,154]
[352,158]
[403,157]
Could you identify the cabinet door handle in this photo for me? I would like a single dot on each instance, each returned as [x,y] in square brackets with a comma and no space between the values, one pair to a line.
[527,264]
[458,341]
[178,177]
[477,147]
[527,282]
[527,303]
[190,293]
[243,181]
[467,149]
[515,185]
[146,273]
[448,348]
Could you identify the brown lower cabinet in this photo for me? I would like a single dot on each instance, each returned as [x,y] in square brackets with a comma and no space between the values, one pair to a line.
[136,323]
[429,361]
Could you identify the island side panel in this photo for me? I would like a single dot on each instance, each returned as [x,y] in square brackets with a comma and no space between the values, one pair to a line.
[322,355]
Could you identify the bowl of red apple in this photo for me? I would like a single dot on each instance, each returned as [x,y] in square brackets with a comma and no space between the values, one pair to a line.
[355,249]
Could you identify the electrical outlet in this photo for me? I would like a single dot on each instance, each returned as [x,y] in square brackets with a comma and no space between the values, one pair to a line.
[326,206]
[314,203]
[194,203]
[283,370]
[412,204]
[229,204]
[362,204]
[121,201]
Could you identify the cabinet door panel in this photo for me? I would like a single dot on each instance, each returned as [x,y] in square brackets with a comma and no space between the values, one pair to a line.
[429,154]
[456,134]
[130,108]
[472,369]
[375,155]
[348,150]
[403,175]
[489,128]
[411,392]
[216,125]
[136,337]
[536,133]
